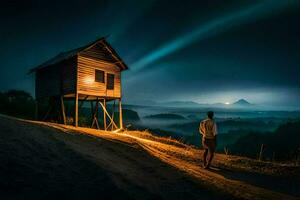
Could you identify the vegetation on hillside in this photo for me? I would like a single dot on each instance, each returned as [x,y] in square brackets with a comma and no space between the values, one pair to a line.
[17,103]
[282,144]
[240,138]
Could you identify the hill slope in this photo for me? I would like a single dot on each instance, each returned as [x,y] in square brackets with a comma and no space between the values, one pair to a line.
[43,160]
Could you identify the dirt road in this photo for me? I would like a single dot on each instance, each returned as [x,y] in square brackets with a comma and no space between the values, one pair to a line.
[43,160]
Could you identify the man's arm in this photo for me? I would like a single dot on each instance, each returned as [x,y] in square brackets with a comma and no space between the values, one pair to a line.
[201,128]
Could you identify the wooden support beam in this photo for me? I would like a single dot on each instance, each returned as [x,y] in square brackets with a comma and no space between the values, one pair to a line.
[104,115]
[112,121]
[112,116]
[49,109]
[76,98]
[95,116]
[63,109]
[76,111]
[120,114]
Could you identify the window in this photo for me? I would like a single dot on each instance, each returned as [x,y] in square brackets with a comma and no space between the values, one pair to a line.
[99,76]
[110,81]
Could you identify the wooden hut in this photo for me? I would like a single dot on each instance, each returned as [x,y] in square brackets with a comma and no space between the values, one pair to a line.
[89,73]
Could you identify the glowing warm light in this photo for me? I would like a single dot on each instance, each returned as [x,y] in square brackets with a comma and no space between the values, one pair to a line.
[89,80]
[118,130]
[227,103]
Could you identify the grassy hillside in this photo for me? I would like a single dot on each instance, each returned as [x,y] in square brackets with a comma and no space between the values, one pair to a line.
[17,103]
[42,160]
[282,144]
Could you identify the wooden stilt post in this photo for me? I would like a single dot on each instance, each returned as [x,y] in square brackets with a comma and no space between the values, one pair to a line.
[49,109]
[76,110]
[95,115]
[104,115]
[113,113]
[63,108]
[111,120]
[120,114]
[110,125]
[97,110]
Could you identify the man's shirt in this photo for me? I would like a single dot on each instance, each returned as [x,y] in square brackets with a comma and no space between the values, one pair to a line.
[208,128]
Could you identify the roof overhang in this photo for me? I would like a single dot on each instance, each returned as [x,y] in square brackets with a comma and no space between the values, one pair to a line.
[68,54]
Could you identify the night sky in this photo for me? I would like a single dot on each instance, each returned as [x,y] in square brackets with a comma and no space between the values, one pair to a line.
[203,51]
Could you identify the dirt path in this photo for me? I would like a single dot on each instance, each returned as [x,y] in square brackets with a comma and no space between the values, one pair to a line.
[128,166]
[39,162]
[240,184]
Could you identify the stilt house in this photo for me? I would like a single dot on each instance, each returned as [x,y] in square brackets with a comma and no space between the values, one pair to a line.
[89,73]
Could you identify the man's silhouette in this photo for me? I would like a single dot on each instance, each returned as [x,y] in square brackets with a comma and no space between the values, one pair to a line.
[208,129]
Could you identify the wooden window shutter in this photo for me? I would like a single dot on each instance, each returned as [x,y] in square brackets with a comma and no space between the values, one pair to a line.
[110,81]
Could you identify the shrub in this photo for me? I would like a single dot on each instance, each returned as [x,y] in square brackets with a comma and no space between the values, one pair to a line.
[17,103]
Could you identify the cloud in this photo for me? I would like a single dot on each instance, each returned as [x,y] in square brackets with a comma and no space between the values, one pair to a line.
[209,29]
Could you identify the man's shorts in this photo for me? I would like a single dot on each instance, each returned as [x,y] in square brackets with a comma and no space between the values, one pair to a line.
[209,144]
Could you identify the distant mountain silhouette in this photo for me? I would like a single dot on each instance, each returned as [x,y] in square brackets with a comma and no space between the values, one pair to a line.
[165,116]
[242,102]
[180,104]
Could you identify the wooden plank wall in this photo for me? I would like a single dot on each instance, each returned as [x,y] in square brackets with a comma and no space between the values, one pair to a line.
[61,78]
[86,77]
[56,79]
[98,52]
[68,75]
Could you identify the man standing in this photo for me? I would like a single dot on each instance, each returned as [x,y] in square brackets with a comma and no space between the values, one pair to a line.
[208,129]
